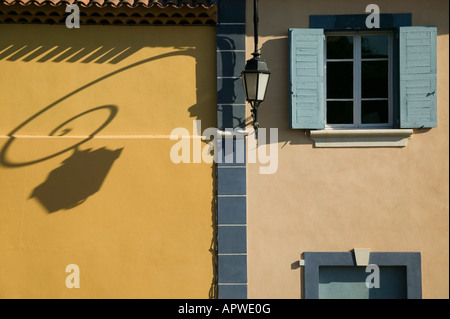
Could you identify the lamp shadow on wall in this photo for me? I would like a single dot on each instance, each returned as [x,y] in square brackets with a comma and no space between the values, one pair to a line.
[83,173]
[80,176]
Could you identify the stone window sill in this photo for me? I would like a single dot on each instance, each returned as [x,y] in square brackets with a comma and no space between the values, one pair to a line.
[361,138]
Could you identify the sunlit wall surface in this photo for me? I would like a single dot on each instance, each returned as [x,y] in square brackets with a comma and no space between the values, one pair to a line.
[86,176]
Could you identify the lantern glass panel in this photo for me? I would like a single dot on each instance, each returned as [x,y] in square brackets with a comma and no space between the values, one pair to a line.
[262,85]
[251,85]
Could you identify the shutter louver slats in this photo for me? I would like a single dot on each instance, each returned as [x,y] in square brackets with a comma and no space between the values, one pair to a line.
[307,78]
[418,77]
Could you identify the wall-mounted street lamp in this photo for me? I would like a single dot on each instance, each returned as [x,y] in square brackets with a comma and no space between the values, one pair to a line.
[255,75]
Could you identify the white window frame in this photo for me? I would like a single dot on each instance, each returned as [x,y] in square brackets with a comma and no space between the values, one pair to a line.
[357,83]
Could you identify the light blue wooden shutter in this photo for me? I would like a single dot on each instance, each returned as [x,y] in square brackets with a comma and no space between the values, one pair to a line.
[307,78]
[418,77]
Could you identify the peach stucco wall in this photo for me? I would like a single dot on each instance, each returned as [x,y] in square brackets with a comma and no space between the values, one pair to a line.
[385,199]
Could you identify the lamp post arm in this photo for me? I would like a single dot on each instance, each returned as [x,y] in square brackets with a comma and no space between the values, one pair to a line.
[255,22]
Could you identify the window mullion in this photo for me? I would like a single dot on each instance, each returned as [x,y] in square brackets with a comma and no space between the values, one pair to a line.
[391,78]
[357,81]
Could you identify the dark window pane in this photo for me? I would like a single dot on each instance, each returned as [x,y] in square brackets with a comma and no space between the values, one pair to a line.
[340,80]
[374,46]
[340,112]
[375,112]
[375,79]
[339,47]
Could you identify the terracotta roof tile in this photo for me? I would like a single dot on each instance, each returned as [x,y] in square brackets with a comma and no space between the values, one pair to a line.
[153,12]
[115,3]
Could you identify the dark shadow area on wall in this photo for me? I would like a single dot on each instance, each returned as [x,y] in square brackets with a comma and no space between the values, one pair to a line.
[80,176]
[230,64]
[76,46]
[64,51]
[65,45]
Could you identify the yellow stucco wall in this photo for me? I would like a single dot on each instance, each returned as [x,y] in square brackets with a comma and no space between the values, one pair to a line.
[385,199]
[136,224]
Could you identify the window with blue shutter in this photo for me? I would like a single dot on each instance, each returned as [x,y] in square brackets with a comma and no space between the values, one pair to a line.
[413,77]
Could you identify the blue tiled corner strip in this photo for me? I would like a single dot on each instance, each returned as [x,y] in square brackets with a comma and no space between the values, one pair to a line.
[231,176]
